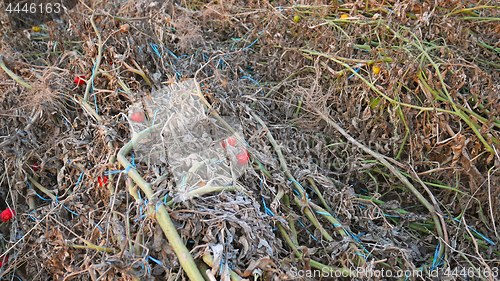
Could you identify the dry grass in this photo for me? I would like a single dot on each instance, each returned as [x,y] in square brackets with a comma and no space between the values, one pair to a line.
[410,184]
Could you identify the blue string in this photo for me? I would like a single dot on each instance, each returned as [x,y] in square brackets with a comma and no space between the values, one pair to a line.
[122,171]
[171,53]
[139,218]
[64,120]
[253,41]
[359,254]
[57,200]
[312,189]
[300,187]
[268,211]
[42,197]
[356,70]
[235,41]
[155,48]
[154,118]
[15,276]
[221,62]
[436,253]
[78,182]
[96,224]
[32,216]
[246,77]
[307,230]
[482,236]
[92,86]
[154,260]
[140,206]
[222,264]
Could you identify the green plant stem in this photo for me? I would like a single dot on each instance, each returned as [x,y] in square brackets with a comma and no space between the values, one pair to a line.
[311,217]
[330,218]
[399,175]
[13,75]
[42,188]
[132,189]
[315,188]
[214,113]
[90,109]
[209,260]
[301,200]
[291,221]
[282,161]
[98,60]
[457,112]
[140,72]
[161,213]
[315,264]
[93,247]
[84,101]
[470,10]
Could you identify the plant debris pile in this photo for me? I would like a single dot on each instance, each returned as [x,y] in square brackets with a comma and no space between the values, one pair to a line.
[158,140]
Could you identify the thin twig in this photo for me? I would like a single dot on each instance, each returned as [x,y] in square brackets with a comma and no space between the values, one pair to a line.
[490,276]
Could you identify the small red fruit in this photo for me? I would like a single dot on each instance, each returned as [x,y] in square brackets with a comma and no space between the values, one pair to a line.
[35,167]
[7,215]
[80,80]
[102,181]
[242,157]
[3,260]
[137,116]
[231,141]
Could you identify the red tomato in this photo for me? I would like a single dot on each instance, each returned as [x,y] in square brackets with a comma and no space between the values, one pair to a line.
[231,141]
[4,259]
[7,215]
[102,181]
[80,80]
[242,157]
[137,116]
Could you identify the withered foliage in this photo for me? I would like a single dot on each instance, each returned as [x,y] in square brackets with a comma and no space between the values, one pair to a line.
[433,108]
